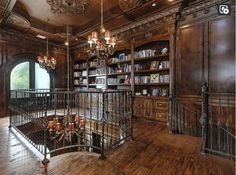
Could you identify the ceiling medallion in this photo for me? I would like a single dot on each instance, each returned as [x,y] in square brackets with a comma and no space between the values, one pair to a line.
[68,6]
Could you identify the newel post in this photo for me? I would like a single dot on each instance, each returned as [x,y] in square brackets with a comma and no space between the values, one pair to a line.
[204,117]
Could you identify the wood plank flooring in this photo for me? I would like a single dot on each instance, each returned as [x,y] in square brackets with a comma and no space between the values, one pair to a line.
[154,151]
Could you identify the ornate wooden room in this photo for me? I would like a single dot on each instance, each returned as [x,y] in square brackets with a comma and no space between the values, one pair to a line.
[123,87]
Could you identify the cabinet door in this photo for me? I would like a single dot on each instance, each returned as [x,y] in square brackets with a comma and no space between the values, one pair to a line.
[148,108]
[138,107]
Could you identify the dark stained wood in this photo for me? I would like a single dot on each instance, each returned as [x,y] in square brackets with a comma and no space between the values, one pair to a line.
[154,108]
[16,48]
[189,60]
[153,151]
[222,55]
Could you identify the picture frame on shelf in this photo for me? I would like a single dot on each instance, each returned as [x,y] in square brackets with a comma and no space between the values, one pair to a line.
[154,65]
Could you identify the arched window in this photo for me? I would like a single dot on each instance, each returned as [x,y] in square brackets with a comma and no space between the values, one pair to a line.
[29,75]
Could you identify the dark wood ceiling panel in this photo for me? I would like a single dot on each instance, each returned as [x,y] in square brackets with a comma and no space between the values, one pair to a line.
[32,16]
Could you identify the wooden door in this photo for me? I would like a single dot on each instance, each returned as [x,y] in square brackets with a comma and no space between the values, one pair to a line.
[148,108]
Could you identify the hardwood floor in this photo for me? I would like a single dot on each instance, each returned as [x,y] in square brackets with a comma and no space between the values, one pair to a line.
[153,151]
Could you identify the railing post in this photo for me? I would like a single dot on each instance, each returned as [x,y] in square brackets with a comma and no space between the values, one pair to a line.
[45,121]
[103,125]
[131,115]
[204,117]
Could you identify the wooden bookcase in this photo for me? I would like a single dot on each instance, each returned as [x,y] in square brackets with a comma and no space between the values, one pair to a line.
[119,70]
[80,74]
[145,72]
[151,80]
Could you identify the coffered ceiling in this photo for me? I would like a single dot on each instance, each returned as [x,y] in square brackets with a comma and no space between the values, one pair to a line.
[36,16]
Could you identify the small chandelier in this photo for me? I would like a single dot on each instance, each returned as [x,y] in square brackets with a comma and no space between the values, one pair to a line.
[68,6]
[103,44]
[45,61]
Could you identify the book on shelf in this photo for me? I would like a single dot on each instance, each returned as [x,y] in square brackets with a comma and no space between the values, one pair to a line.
[92,72]
[93,63]
[80,66]
[160,92]
[164,65]
[100,80]
[142,79]
[145,53]
[100,71]
[77,74]
[164,78]
[112,81]
[84,73]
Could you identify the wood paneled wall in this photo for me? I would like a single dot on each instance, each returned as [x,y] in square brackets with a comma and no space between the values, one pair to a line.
[204,53]
[13,46]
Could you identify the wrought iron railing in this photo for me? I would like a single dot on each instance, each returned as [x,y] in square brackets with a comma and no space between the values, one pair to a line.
[218,123]
[183,119]
[58,121]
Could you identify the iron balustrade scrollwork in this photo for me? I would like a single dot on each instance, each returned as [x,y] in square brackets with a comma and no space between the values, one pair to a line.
[46,118]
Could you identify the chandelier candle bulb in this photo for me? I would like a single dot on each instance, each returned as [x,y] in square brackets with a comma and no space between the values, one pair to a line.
[107,35]
[58,127]
[94,37]
[50,124]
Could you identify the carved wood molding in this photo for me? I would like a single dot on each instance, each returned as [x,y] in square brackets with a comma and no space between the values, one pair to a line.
[202,11]
[13,37]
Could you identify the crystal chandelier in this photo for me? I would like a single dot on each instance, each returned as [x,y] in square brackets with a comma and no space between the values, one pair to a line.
[68,6]
[102,44]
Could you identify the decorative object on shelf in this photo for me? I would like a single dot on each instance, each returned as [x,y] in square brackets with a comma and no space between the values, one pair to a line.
[154,65]
[164,51]
[104,44]
[47,62]
[68,6]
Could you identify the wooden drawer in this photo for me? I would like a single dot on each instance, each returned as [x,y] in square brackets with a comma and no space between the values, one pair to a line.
[160,105]
[161,116]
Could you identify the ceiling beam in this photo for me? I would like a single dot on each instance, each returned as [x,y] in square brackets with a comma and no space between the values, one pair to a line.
[6,10]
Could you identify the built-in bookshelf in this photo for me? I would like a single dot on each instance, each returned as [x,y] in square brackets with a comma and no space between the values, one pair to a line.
[96,73]
[119,70]
[80,74]
[146,73]
[151,70]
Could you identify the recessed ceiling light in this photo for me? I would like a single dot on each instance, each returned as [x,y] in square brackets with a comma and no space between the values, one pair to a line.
[154,4]
[41,36]
[170,0]
[66,43]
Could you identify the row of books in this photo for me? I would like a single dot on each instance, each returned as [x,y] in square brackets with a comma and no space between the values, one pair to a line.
[121,57]
[77,74]
[80,82]
[125,79]
[145,53]
[98,71]
[153,78]
[81,66]
[157,92]
[154,65]
[119,69]
[157,78]
[97,62]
